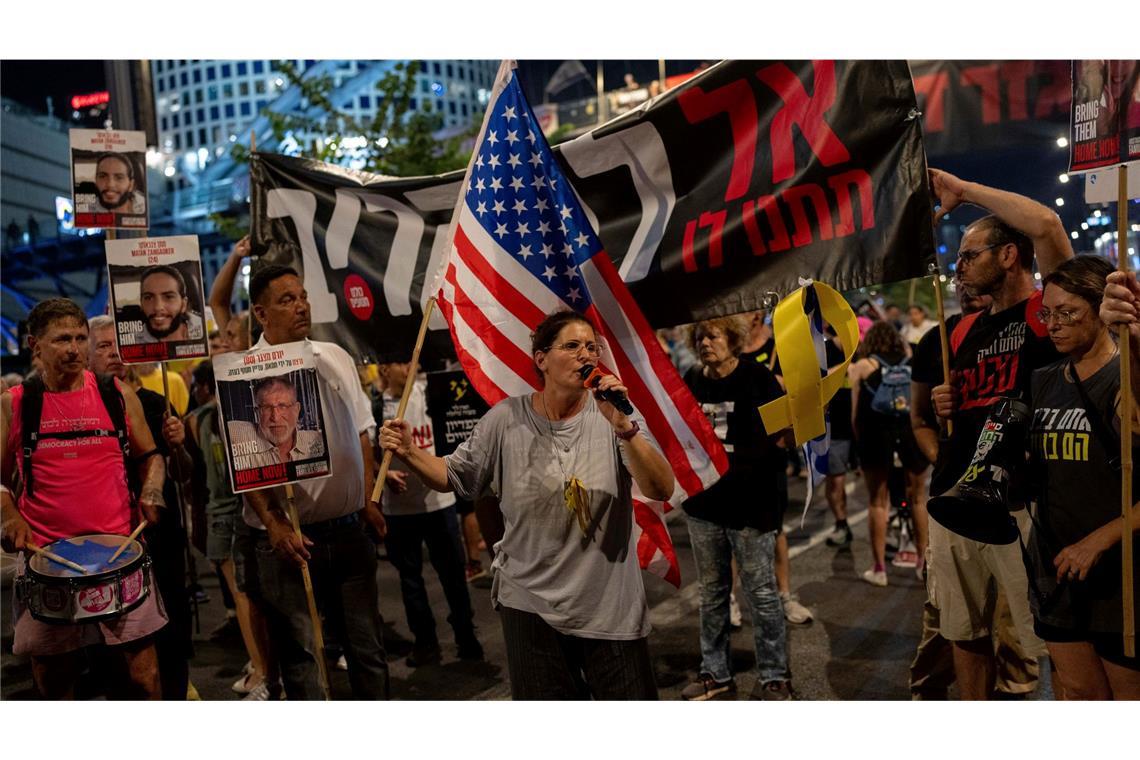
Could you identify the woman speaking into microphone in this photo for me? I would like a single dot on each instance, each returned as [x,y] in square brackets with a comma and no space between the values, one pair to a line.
[561,462]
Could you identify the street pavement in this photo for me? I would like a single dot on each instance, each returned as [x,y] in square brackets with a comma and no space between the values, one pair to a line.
[858,647]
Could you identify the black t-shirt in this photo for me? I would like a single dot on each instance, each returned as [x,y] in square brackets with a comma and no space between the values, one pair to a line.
[765,355]
[995,359]
[1078,492]
[926,360]
[749,494]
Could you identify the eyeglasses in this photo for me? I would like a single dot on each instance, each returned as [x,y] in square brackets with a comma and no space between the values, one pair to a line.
[278,408]
[967,256]
[574,346]
[1064,318]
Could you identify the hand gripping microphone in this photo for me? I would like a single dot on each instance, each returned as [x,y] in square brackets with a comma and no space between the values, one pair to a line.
[591,376]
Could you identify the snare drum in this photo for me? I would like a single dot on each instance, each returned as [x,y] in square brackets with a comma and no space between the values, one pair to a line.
[55,593]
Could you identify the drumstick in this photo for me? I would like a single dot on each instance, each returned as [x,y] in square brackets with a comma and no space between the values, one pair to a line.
[122,547]
[56,558]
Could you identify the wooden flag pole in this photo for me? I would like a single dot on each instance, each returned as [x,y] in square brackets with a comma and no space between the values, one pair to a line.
[386,462]
[314,615]
[249,314]
[942,334]
[1126,548]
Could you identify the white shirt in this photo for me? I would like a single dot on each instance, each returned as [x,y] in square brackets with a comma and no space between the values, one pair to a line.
[912,334]
[347,415]
[418,499]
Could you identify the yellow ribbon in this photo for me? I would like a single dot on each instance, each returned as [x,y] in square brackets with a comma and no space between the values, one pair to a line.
[806,392]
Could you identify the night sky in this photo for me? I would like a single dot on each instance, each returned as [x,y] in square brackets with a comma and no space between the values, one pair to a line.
[32,82]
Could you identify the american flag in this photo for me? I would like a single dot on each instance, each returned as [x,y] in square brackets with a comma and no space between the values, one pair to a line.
[522,248]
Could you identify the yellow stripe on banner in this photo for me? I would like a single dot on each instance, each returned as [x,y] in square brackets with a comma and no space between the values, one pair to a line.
[801,408]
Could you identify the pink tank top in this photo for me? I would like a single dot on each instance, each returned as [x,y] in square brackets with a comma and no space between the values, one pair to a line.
[79,484]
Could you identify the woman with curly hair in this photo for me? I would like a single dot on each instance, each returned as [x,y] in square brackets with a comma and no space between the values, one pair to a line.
[881,421]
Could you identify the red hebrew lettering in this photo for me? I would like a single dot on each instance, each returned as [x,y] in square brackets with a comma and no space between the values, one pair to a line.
[841,186]
[985,78]
[736,100]
[796,198]
[779,241]
[751,229]
[1016,75]
[933,87]
[688,258]
[714,220]
[804,111]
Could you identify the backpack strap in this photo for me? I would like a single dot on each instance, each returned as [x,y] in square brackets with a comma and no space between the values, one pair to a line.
[117,410]
[1032,306]
[961,330]
[31,410]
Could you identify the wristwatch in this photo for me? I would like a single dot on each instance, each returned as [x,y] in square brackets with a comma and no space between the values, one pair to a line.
[629,434]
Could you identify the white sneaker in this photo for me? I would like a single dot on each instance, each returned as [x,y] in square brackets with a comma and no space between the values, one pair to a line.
[905,558]
[794,612]
[735,619]
[341,663]
[259,693]
[875,578]
[245,684]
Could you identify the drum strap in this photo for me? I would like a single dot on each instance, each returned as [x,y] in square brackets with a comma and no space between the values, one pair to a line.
[32,407]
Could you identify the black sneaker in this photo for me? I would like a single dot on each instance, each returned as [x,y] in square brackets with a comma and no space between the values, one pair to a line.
[839,536]
[773,691]
[707,687]
[471,651]
[227,628]
[421,656]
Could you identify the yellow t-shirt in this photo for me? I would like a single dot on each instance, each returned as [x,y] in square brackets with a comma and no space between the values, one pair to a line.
[179,393]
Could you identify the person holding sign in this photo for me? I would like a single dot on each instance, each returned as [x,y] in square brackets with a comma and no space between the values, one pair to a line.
[418,516]
[1006,342]
[562,462]
[333,511]
[1074,555]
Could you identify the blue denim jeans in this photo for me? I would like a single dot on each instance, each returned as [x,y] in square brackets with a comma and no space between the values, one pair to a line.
[713,547]
[343,569]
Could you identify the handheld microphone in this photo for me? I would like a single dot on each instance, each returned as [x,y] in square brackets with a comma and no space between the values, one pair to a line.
[592,376]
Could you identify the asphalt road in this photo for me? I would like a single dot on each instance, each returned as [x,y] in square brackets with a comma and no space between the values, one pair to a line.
[858,647]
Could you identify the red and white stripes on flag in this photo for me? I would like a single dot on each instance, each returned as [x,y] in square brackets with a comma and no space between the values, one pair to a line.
[522,248]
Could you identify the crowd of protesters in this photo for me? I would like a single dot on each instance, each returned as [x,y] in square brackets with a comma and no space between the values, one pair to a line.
[549,476]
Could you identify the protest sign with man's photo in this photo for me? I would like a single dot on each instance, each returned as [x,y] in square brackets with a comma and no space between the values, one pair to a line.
[108,178]
[1105,121]
[274,426]
[157,298]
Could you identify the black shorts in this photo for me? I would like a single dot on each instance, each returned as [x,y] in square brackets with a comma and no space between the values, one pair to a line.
[878,438]
[1108,646]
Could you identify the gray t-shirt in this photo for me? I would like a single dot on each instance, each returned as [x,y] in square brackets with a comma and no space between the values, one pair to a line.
[588,586]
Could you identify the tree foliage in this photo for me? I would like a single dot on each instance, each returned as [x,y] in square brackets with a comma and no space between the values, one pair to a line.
[398,141]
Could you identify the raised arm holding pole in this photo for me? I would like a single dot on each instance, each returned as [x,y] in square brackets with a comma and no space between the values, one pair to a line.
[386,462]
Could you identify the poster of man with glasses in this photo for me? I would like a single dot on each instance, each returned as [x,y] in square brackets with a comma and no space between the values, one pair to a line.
[271,406]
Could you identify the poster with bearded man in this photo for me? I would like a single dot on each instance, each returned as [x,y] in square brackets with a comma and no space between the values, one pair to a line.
[108,177]
[157,298]
[274,423]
